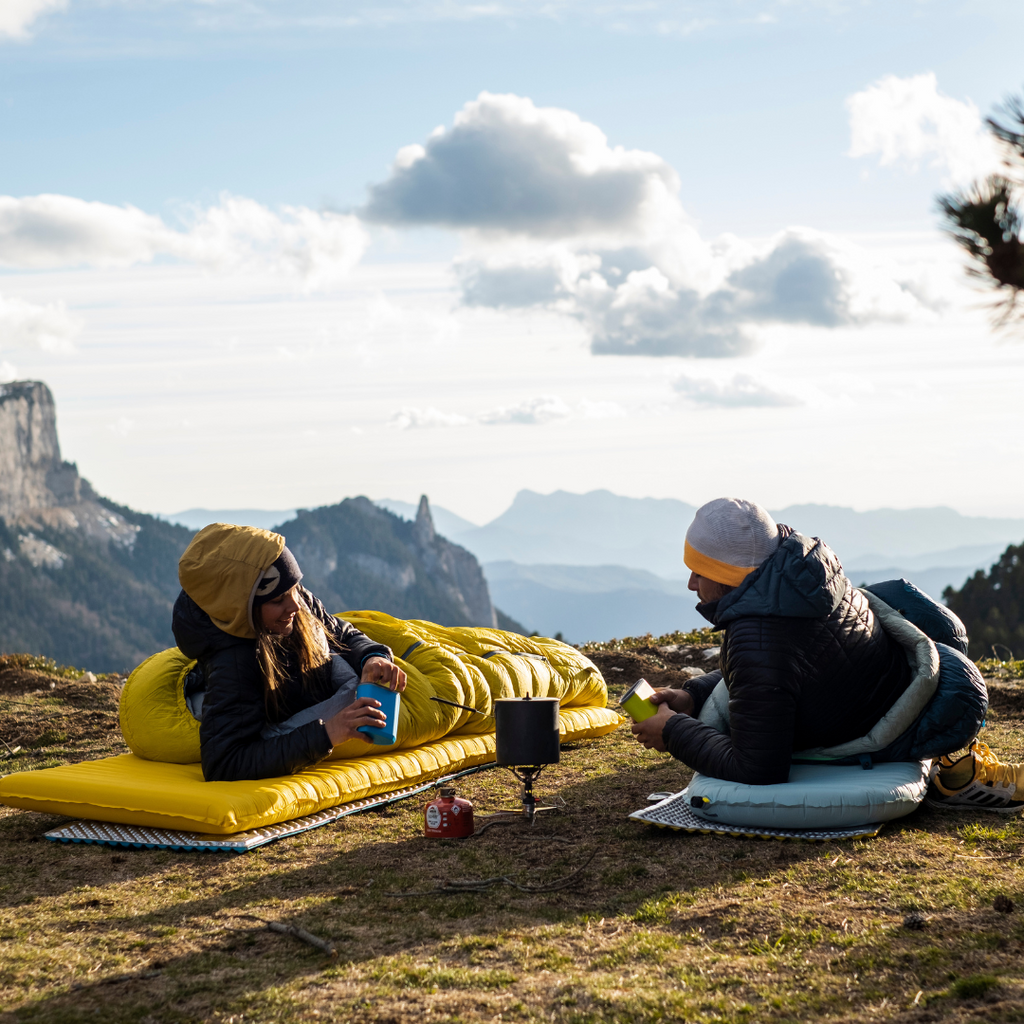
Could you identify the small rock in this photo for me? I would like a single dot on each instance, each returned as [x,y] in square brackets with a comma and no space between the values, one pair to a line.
[914,922]
[1002,904]
[712,652]
[87,678]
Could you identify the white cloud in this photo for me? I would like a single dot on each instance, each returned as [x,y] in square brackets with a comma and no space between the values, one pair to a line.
[509,166]
[8,371]
[122,426]
[908,121]
[16,16]
[556,218]
[318,248]
[529,412]
[411,418]
[26,325]
[238,234]
[633,301]
[739,392]
[600,410]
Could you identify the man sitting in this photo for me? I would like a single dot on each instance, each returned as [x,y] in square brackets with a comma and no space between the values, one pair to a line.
[807,663]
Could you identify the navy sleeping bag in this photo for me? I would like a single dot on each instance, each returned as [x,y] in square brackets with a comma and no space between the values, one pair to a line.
[933,619]
[954,715]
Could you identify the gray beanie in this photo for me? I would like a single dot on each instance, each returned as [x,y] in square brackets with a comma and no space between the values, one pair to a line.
[728,539]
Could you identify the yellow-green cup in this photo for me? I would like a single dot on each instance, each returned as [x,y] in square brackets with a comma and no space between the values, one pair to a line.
[636,701]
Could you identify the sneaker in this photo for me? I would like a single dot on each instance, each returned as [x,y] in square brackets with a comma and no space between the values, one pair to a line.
[993,787]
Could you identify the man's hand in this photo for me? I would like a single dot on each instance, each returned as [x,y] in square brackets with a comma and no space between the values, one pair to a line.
[363,713]
[648,732]
[680,701]
[383,672]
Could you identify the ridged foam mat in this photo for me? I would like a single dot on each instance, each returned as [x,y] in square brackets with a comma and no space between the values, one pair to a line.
[674,813]
[138,837]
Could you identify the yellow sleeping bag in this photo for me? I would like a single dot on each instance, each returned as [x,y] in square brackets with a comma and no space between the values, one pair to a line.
[462,664]
[161,785]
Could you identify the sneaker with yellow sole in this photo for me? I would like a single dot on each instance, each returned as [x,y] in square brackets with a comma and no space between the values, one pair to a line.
[993,785]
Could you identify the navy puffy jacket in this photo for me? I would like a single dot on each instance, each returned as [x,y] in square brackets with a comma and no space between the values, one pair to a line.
[806,662]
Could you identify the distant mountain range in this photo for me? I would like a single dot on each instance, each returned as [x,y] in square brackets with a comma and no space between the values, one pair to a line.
[196,518]
[594,565]
[592,602]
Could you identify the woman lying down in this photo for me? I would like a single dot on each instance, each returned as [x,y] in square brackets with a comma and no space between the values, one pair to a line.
[275,687]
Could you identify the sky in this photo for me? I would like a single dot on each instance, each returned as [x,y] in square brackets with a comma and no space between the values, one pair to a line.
[272,254]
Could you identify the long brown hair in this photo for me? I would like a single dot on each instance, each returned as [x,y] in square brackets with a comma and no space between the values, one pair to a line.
[307,640]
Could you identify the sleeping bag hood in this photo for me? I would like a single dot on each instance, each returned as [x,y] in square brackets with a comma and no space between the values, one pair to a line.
[221,569]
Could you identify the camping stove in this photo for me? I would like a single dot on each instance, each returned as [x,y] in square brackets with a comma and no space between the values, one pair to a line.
[527,737]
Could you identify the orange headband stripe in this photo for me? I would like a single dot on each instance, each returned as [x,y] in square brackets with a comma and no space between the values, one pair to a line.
[712,569]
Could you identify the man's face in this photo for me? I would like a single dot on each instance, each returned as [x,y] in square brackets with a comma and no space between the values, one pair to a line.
[707,590]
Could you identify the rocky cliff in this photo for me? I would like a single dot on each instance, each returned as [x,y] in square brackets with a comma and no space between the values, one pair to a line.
[356,555]
[82,580]
[38,489]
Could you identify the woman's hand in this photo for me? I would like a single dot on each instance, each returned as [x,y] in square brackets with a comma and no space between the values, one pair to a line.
[680,701]
[360,714]
[383,672]
[649,731]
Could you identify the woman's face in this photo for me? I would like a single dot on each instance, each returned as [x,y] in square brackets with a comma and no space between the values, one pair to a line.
[278,616]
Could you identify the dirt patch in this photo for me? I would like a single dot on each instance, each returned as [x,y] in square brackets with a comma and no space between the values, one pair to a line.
[1006,697]
[659,667]
[67,718]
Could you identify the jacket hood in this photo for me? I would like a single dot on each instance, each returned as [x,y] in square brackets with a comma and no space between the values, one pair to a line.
[803,579]
[221,568]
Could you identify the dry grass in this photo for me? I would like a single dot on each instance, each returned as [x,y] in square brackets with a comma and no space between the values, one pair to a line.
[662,926]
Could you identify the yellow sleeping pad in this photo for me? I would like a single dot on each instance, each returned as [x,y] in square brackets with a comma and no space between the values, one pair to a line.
[132,791]
[160,784]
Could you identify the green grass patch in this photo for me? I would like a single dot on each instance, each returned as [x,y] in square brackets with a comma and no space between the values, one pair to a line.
[974,987]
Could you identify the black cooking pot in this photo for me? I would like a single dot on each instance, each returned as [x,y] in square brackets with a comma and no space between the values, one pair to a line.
[526,730]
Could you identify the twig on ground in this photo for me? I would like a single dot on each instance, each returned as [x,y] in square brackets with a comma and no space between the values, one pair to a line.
[11,751]
[295,932]
[1001,856]
[457,885]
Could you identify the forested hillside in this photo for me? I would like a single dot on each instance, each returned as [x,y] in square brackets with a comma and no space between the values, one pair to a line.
[991,605]
[84,602]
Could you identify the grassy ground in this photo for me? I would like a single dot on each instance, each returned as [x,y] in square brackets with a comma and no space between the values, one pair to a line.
[659,926]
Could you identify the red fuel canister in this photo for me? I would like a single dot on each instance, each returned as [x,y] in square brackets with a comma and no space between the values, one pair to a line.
[448,817]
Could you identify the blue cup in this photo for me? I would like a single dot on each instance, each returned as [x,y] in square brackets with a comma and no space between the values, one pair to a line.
[390,703]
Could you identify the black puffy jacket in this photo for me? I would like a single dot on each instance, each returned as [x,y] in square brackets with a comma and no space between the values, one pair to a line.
[806,662]
[234,711]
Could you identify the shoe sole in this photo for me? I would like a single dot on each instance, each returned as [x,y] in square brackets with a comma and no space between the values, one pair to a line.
[944,805]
